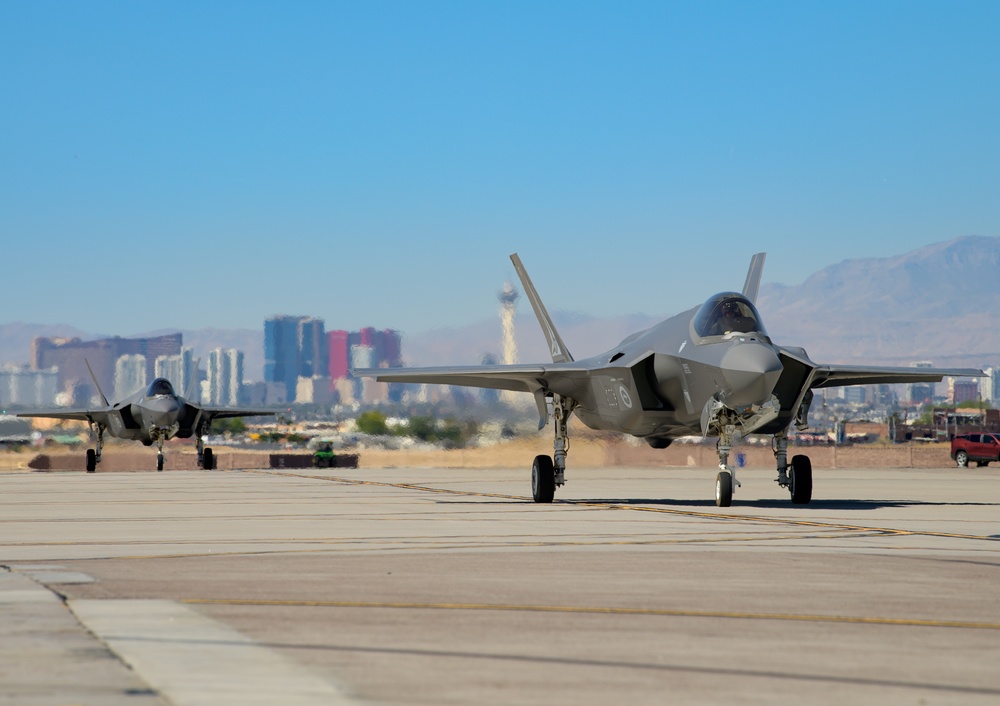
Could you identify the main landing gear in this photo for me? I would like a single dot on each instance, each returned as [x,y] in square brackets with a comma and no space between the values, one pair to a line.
[94,455]
[796,476]
[548,472]
[206,459]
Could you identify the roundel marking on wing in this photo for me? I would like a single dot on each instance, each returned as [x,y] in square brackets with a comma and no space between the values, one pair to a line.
[626,397]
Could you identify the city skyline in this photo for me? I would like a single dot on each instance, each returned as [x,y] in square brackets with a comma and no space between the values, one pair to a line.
[367,164]
[321,364]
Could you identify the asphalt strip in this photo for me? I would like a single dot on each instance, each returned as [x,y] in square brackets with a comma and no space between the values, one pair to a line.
[193,660]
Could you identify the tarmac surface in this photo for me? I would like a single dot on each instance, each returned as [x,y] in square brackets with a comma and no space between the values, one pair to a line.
[449,586]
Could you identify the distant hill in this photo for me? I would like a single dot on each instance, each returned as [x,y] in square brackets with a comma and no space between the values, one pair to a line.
[938,303]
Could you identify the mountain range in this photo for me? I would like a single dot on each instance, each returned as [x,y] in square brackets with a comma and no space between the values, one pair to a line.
[939,303]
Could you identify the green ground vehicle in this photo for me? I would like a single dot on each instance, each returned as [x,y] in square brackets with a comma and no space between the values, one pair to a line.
[324,457]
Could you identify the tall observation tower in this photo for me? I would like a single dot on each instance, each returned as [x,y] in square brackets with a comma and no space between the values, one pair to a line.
[508,297]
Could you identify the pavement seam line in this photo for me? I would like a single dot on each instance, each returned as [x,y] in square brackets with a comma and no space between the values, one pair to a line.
[660,612]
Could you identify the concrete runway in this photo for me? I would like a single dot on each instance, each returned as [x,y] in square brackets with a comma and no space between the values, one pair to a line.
[404,586]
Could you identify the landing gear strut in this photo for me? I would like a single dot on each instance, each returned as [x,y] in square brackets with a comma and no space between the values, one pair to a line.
[549,472]
[158,435]
[206,459]
[94,455]
[797,476]
[726,480]
[159,452]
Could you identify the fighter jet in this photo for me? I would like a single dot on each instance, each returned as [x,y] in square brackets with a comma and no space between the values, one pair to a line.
[151,416]
[712,371]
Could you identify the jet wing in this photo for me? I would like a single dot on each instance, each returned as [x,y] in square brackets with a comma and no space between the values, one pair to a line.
[519,378]
[827,375]
[536,379]
[227,412]
[83,415]
[844,375]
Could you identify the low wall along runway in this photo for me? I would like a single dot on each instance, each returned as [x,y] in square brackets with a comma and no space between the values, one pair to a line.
[596,453]
[584,453]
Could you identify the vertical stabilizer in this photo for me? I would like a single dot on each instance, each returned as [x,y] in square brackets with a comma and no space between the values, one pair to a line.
[557,348]
[97,384]
[189,393]
[752,284]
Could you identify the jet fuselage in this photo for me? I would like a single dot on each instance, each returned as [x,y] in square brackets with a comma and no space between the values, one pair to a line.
[656,384]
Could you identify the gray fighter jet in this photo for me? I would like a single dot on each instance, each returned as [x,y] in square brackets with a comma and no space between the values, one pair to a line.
[712,370]
[151,416]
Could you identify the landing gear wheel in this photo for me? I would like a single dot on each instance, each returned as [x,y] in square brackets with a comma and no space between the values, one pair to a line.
[543,479]
[159,462]
[209,460]
[724,489]
[962,459]
[801,477]
[91,461]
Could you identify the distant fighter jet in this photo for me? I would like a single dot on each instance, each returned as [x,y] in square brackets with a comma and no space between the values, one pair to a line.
[151,416]
[712,370]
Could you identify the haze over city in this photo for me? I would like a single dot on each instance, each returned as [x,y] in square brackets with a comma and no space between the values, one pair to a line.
[374,165]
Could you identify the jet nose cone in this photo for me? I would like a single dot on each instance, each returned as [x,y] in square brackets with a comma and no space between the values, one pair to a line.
[161,412]
[751,371]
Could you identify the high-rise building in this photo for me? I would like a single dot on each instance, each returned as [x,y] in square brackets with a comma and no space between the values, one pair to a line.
[508,297]
[367,348]
[339,346]
[225,376]
[960,391]
[856,394]
[314,358]
[130,374]
[991,386]
[281,352]
[392,348]
[294,347]
[71,356]
[28,388]
[180,370]
[921,392]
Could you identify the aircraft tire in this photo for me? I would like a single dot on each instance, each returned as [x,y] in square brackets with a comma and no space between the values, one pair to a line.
[801,486]
[91,461]
[543,479]
[209,460]
[724,489]
[159,462]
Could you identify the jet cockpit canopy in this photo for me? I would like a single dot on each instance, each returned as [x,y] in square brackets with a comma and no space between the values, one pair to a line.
[159,386]
[727,312]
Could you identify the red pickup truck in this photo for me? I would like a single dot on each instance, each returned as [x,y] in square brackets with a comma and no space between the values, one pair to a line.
[981,448]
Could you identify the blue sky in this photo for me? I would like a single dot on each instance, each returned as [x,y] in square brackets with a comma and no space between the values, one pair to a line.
[190,164]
